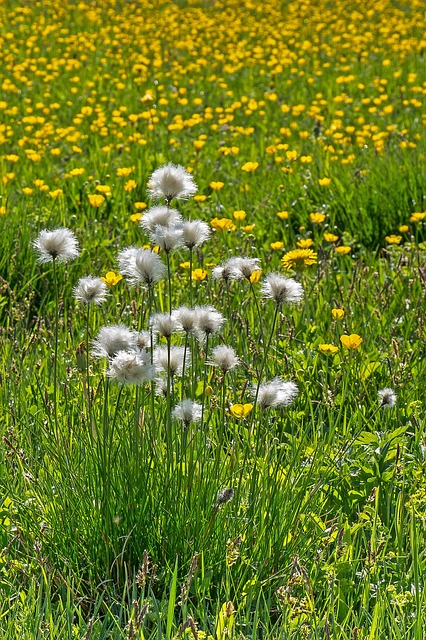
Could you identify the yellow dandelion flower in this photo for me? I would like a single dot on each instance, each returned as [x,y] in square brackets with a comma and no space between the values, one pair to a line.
[418,217]
[78,171]
[200,198]
[330,237]
[291,155]
[393,239]
[135,217]
[223,224]
[96,200]
[249,167]
[352,341]
[105,189]
[239,215]
[317,218]
[240,410]
[185,265]
[217,186]
[328,349]
[12,157]
[305,243]
[338,314]
[111,278]
[404,228]
[276,246]
[198,144]
[255,276]
[130,185]
[140,206]
[283,215]
[299,259]
[324,182]
[199,274]
[343,250]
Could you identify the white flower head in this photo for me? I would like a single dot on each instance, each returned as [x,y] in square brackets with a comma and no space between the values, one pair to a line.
[167,238]
[194,233]
[242,268]
[224,357]
[227,271]
[275,393]
[142,339]
[141,266]
[60,245]
[177,355]
[164,324]
[91,290]
[161,215]
[186,317]
[129,367]
[187,411]
[171,181]
[208,321]
[387,398]
[281,290]
[112,339]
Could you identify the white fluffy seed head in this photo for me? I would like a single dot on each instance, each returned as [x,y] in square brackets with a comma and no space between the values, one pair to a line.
[129,367]
[171,181]
[243,267]
[208,321]
[60,245]
[141,266]
[194,233]
[187,411]
[281,290]
[275,393]
[224,357]
[387,398]
[165,324]
[167,238]
[186,317]
[160,215]
[112,339]
[91,290]
[175,365]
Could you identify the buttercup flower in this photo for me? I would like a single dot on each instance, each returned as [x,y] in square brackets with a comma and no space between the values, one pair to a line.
[60,245]
[328,349]
[111,278]
[352,341]
[91,290]
[338,314]
[240,410]
[171,181]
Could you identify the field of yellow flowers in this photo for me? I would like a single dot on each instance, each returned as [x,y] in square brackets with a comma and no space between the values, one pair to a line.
[212,320]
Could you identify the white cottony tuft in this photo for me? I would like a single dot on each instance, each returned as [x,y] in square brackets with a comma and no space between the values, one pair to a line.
[129,367]
[141,266]
[281,290]
[171,181]
[161,215]
[387,398]
[224,357]
[208,321]
[91,290]
[194,233]
[112,339]
[164,324]
[275,393]
[167,238]
[187,411]
[60,245]
[175,364]
[186,317]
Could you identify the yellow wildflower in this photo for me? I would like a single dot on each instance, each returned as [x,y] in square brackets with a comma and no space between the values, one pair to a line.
[249,167]
[217,186]
[123,172]
[324,182]
[403,228]
[418,217]
[352,341]
[248,228]
[283,215]
[111,278]
[78,171]
[223,224]
[185,265]
[330,237]
[343,250]
[56,193]
[393,239]
[198,144]
[276,246]
[255,276]
[337,314]
[305,243]
[239,215]
[299,258]
[27,191]
[199,274]
[135,217]
[96,200]
[200,198]
[105,189]
[130,185]
[328,349]
[2,210]
[317,218]
[240,410]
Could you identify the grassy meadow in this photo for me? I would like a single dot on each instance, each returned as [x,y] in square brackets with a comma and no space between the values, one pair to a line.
[212,382]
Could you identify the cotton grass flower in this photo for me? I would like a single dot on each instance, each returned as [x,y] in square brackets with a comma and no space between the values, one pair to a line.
[113,339]
[208,321]
[174,366]
[187,411]
[161,215]
[187,318]
[129,367]
[91,290]
[60,245]
[171,181]
[275,393]
[194,233]
[164,324]
[141,266]
[224,357]
[229,270]
[281,290]
[167,238]
[244,267]
[387,398]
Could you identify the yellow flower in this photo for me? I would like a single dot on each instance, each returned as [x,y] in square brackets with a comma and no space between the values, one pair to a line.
[111,278]
[351,342]
[324,182]
[276,246]
[255,276]
[199,274]
[240,410]
[330,237]
[200,198]
[291,155]
[299,258]
[130,185]
[135,217]
[239,215]
[185,265]
[104,189]
[12,157]
[56,193]
[223,224]
[248,228]
[328,349]
[198,144]
[392,239]
[78,171]
[217,186]
[305,243]
[27,191]
[123,172]
[283,215]
[140,206]
[249,167]
[96,200]
[343,250]
[418,217]
[337,314]
[403,228]
[3,210]
[317,218]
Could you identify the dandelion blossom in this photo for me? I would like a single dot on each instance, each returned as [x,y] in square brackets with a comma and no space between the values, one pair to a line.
[299,258]
[387,398]
[281,290]
[60,245]
[91,290]
[171,181]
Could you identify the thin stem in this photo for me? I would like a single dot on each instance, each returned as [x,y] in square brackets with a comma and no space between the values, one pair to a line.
[204,382]
[190,277]
[55,361]
[169,277]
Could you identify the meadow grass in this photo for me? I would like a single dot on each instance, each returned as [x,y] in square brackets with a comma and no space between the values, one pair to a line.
[290,511]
